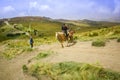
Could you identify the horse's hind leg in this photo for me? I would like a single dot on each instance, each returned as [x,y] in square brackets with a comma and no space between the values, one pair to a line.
[62,45]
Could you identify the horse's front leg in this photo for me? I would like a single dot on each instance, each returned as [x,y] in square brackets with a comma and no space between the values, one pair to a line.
[67,43]
[71,39]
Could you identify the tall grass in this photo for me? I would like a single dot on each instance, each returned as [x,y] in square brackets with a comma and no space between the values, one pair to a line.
[72,71]
[13,48]
[16,47]
[103,33]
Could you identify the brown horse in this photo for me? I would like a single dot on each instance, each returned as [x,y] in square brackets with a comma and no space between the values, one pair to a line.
[62,38]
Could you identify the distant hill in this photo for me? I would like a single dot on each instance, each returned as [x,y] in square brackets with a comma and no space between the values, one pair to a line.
[46,23]
[100,23]
[115,19]
[49,24]
[82,23]
[89,23]
[30,18]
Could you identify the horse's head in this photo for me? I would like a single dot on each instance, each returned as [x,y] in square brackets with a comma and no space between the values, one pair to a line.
[71,32]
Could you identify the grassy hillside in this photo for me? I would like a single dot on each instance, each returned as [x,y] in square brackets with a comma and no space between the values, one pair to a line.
[101,34]
[45,27]
[14,32]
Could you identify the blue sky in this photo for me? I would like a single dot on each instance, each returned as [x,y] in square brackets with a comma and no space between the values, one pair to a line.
[61,9]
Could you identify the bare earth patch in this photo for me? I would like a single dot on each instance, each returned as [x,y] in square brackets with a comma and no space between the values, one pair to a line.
[108,57]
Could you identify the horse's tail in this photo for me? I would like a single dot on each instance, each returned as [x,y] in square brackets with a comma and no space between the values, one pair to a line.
[56,34]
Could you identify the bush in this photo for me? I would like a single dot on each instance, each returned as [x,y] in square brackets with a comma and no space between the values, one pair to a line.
[98,43]
[118,40]
[43,54]
[25,69]
[117,32]
[75,37]
[93,34]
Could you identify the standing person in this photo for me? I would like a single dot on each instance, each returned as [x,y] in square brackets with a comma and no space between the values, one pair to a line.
[31,42]
[35,32]
[65,29]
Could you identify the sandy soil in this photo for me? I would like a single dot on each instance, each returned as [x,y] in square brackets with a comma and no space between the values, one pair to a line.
[108,57]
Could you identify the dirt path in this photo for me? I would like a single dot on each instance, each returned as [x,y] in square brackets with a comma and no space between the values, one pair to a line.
[12,69]
[107,56]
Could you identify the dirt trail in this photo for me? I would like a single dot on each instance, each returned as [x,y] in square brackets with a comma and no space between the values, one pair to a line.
[107,56]
[12,69]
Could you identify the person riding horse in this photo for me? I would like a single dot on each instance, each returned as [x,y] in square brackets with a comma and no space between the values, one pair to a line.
[62,38]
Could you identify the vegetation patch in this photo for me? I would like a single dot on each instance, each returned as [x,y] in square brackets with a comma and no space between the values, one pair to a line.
[11,53]
[71,71]
[93,34]
[25,68]
[104,33]
[14,48]
[118,40]
[44,54]
[98,43]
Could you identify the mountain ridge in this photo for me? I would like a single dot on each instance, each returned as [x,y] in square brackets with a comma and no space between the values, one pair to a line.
[114,20]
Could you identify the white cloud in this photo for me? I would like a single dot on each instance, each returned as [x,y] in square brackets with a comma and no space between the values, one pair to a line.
[33,4]
[88,6]
[104,10]
[117,7]
[8,9]
[44,7]
[37,6]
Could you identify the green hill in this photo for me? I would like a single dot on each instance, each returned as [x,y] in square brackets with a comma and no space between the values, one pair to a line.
[44,26]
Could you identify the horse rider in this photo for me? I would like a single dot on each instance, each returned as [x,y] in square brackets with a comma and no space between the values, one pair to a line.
[65,30]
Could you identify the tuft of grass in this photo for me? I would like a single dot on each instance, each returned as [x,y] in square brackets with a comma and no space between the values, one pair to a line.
[25,68]
[44,54]
[118,40]
[98,43]
[28,49]
[72,71]
[11,53]
[93,34]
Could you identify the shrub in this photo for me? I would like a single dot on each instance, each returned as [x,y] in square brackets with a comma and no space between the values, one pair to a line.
[75,37]
[43,54]
[117,32]
[118,40]
[25,69]
[92,34]
[98,43]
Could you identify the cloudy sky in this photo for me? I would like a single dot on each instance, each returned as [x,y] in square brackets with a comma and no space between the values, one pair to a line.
[65,9]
